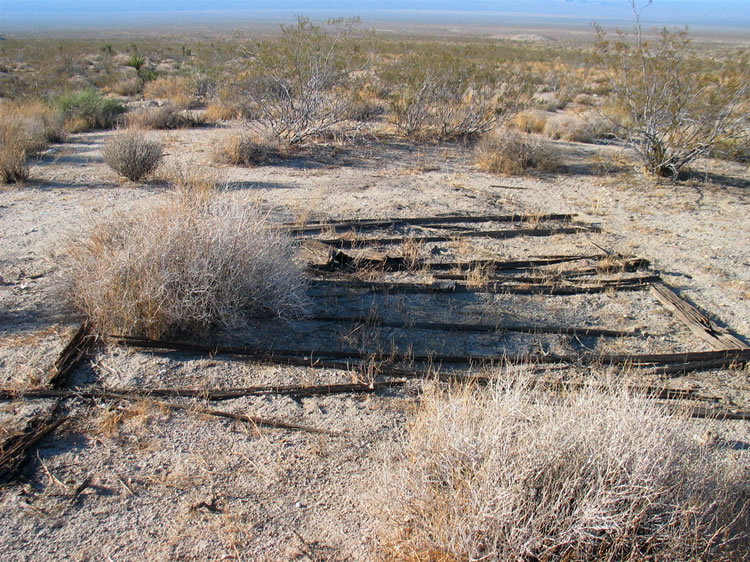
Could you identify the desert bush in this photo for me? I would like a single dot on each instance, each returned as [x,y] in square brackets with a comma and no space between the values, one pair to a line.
[510,472]
[26,126]
[190,178]
[127,87]
[249,150]
[90,107]
[132,155]
[164,117]
[676,107]
[529,121]
[179,90]
[183,266]
[13,153]
[297,83]
[510,152]
[446,99]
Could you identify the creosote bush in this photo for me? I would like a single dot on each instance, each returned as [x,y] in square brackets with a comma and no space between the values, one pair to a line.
[132,155]
[183,266]
[512,472]
[509,152]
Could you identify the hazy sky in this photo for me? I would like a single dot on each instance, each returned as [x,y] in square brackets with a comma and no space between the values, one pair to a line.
[671,12]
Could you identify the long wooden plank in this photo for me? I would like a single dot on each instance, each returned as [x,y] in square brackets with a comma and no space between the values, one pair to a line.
[699,323]
[317,357]
[490,328]
[449,286]
[313,227]
[495,234]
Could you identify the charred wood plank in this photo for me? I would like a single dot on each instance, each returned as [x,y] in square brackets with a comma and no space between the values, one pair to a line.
[297,391]
[314,227]
[491,328]
[449,286]
[14,451]
[319,357]
[71,355]
[495,234]
[700,324]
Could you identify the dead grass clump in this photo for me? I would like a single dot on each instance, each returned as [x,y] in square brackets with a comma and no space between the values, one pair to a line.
[166,116]
[510,472]
[248,150]
[190,178]
[26,126]
[132,155]
[183,266]
[529,121]
[13,152]
[177,89]
[510,152]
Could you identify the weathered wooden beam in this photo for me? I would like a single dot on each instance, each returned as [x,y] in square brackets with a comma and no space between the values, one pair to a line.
[495,234]
[71,355]
[449,286]
[320,357]
[700,324]
[491,328]
[314,227]
[14,451]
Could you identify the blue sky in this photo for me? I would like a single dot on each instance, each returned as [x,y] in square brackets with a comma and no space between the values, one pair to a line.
[670,12]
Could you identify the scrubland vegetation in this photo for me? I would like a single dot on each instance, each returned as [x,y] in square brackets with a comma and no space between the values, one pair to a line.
[504,472]
[658,95]
[511,472]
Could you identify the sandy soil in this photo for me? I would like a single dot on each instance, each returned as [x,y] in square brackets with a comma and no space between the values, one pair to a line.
[173,484]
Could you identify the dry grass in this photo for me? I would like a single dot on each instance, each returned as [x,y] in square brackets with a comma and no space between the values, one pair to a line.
[529,121]
[167,116]
[178,90]
[509,152]
[191,178]
[132,155]
[248,150]
[510,472]
[26,126]
[183,266]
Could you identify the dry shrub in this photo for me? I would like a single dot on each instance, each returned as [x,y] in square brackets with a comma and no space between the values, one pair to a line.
[166,116]
[569,128]
[190,178]
[218,111]
[26,126]
[13,151]
[183,266]
[131,154]
[529,121]
[248,150]
[177,89]
[128,87]
[509,472]
[510,152]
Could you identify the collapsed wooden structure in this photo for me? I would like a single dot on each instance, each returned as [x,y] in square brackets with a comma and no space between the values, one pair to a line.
[344,259]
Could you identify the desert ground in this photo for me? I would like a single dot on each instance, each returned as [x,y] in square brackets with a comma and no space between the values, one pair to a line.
[133,479]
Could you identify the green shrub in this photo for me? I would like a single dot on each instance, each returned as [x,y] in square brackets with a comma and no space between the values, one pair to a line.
[89,106]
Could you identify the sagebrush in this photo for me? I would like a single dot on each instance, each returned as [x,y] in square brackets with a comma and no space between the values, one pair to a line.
[512,472]
[183,266]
